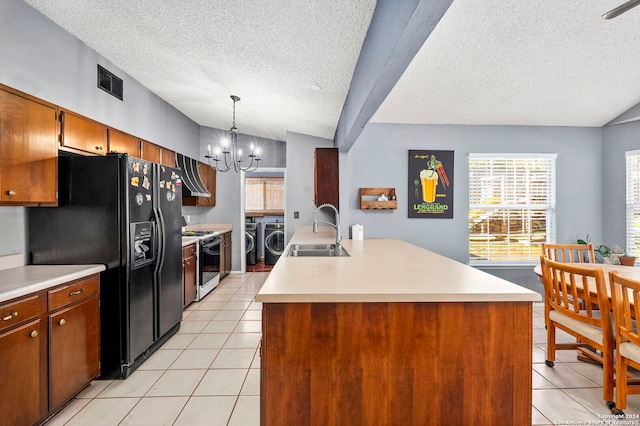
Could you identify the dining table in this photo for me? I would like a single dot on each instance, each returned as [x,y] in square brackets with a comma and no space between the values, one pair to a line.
[625,271]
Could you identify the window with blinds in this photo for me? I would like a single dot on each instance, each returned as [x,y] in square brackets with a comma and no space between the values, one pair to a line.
[264,195]
[512,204]
[633,203]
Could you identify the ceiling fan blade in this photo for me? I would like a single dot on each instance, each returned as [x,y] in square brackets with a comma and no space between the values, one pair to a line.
[621,9]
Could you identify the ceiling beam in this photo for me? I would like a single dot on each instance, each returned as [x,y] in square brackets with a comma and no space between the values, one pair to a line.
[397,32]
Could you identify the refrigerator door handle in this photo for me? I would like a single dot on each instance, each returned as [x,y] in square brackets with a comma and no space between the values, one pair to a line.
[162,239]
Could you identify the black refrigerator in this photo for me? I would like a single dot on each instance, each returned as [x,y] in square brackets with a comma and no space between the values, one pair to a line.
[122,212]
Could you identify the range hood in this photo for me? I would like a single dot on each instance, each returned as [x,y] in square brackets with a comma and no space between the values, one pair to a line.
[192,185]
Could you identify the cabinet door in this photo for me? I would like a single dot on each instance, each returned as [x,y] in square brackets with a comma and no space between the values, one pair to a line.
[20,375]
[123,143]
[77,132]
[326,177]
[28,151]
[149,151]
[167,157]
[211,185]
[227,252]
[189,276]
[74,341]
[203,171]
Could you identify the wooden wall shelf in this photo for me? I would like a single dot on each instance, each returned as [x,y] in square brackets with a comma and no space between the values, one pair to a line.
[369,199]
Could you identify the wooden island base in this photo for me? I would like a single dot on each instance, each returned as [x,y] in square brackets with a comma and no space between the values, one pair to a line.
[413,363]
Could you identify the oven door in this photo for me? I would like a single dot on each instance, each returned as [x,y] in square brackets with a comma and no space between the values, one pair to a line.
[209,261]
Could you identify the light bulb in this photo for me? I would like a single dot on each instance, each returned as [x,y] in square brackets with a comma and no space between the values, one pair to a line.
[209,149]
[225,142]
[252,146]
[216,150]
[239,153]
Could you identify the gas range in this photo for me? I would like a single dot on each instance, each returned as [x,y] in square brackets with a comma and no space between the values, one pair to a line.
[200,234]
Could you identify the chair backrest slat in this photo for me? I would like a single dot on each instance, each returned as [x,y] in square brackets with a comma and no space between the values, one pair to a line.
[569,288]
[625,298]
[569,253]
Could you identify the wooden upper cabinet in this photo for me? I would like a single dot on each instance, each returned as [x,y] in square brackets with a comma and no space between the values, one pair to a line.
[81,133]
[326,177]
[208,177]
[157,154]
[149,151]
[167,157]
[123,143]
[28,150]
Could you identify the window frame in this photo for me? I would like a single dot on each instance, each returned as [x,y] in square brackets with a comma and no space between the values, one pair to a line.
[632,202]
[264,211]
[549,207]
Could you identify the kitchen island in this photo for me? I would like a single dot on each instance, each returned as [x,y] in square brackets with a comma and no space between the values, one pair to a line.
[392,334]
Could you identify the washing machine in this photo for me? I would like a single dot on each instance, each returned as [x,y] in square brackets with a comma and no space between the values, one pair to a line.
[273,242]
[251,243]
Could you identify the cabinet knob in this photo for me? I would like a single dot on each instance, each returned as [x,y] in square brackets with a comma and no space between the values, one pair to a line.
[99,147]
[34,333]
[12,315]
[62,322]
[11,193]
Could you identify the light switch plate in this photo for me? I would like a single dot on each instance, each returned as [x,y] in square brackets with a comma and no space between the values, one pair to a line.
[296,215]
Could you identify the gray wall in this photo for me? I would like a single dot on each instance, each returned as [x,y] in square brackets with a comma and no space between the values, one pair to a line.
[617,140]
[229,186]
[40,58]
[299,179]
[380,159]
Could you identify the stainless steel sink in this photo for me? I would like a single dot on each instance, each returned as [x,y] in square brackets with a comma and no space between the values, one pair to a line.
[318,250]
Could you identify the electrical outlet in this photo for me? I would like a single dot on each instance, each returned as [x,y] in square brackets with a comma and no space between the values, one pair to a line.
[296,215]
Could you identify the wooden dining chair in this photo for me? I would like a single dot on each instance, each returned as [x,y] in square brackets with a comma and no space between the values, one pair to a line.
[574,253]
[568,309]
[625,303]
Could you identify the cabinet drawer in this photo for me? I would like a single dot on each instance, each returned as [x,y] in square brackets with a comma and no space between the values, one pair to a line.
[188,251]
[15,313]
[73,292]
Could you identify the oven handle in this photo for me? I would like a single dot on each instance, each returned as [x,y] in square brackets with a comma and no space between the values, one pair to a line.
[208,246]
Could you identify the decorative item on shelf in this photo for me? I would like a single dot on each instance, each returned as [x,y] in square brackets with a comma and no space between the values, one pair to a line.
[232,155]
[378,199]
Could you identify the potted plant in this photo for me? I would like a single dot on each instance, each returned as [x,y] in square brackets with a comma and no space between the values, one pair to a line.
[627,260]
[605,252]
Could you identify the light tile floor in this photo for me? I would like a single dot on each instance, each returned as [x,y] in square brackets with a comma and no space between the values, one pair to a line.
[209,374]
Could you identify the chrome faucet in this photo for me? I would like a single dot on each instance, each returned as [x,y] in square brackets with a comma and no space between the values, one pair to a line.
[336,225]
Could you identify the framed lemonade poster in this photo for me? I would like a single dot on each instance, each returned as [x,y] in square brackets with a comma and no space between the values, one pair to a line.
[430,184]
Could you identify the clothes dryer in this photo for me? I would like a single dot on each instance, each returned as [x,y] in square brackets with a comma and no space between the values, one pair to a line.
[251,243]
[273,242]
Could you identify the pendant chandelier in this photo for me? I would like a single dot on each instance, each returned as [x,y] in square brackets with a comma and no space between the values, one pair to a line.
[230,153]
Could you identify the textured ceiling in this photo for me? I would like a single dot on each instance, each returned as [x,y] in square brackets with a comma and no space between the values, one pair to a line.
[517,62]
[522,62]
[195,53]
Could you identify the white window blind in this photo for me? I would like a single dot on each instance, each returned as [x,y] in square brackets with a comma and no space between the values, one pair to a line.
[633,202]
[512,204]
[264,194]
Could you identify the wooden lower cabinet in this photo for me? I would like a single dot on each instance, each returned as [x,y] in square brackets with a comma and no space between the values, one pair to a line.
[20,375]
[74,354]
[189,273]
[49,349]
[396,363]
[225,254]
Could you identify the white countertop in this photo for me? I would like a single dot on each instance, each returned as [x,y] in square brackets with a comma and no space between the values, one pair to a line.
[16,282]
[382,270]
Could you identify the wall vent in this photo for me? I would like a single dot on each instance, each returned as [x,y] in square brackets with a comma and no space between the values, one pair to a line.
[109,82]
